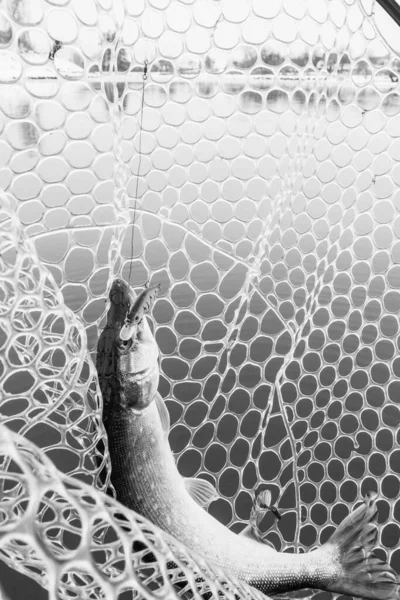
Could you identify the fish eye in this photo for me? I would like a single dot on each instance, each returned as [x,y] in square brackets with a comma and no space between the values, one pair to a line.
[137,318]
[123,343]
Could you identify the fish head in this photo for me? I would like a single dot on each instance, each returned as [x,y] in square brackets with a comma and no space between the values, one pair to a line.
[135,354]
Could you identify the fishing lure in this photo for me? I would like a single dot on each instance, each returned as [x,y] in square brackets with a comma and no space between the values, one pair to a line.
[142,305]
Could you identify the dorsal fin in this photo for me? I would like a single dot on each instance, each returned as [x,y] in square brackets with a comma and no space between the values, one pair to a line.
[163,412]
[202,491]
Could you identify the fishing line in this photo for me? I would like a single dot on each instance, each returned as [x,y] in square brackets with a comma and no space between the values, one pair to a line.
[146,62]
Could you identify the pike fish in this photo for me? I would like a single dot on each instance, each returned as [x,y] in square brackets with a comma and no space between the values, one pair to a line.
[146,480]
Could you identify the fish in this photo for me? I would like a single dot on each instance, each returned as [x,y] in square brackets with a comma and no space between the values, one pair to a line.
[146,480]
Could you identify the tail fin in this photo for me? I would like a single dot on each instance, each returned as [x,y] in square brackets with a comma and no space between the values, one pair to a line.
[362,574]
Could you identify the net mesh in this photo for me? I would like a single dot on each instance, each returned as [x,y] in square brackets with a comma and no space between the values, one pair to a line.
[253,172]
[88,545]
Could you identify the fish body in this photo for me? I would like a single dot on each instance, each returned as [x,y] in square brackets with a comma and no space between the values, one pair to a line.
[146,480]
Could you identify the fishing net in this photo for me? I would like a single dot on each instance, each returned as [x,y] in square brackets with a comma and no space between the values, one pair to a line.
[245,155]
[87,545]
[69,537]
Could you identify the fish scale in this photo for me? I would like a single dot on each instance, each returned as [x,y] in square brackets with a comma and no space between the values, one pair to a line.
[147,480]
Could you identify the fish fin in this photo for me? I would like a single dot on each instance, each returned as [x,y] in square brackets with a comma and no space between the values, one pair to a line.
[250,533]
[360,573]
[267,499]
[267,543]
[163,412]
[202,491]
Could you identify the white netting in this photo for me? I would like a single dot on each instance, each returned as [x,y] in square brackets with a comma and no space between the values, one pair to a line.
[49,387]
[79,543]
[265,201]
[72,539]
